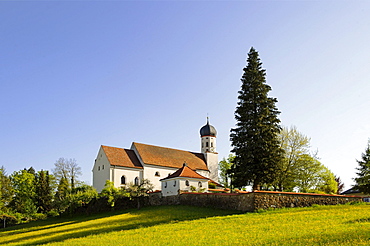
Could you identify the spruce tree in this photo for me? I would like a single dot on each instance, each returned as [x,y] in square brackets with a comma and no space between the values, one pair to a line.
[255,137]
[44,191]
[363,174]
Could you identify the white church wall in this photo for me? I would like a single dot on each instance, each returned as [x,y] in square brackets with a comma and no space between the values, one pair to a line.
[170,187]
[212,163]
[152,172]
[197,183]
[129,173]
[101,170]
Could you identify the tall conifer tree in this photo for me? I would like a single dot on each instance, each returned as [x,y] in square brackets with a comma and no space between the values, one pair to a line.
[363,174]
[255,137]
[44,191]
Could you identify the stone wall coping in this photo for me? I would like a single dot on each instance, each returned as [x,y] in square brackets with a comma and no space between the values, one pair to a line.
[304,194]
[271,192]
[216,194]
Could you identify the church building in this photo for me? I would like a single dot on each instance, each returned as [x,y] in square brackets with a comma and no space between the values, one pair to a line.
[143,161]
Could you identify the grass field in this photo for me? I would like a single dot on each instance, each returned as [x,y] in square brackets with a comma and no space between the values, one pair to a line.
[184,225]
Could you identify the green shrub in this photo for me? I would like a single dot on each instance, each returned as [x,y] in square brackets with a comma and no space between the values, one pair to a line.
[52,213]
[38,216]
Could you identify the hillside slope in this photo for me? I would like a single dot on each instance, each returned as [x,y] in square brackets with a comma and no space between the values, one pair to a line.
[182,225]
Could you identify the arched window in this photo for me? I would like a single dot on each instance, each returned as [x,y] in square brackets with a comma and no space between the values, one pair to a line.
[206,144]
[200,184]
[157,174]
[174,183]
[165,184]
[123,180]
[136,181]
[187,182]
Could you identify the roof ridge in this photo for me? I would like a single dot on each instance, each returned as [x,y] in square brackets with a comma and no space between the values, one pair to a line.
[167,148]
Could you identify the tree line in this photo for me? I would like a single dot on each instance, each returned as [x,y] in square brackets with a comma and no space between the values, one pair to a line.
[266,155]
[299,169]
[27,194]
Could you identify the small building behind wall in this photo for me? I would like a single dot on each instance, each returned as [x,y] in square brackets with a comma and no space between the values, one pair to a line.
[182,181]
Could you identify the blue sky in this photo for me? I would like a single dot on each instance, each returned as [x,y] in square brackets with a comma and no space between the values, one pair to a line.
[75,75]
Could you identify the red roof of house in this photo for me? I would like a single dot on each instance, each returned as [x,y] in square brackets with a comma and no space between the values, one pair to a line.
[185,172]
[121,157]
[166,157]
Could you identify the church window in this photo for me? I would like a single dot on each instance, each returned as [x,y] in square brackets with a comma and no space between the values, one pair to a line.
[102,167]
[200,184]
[187,182]
[174,183]
[123,180]
[165,184]
[211,144]
[157,174]
[206,144]
[98,168]
[136,181]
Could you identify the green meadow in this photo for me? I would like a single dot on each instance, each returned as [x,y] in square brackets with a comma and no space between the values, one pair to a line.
[186,225]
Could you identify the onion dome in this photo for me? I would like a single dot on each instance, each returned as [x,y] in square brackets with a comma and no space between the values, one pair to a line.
[208,130]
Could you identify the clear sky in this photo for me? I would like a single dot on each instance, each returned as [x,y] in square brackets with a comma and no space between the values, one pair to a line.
[75,75]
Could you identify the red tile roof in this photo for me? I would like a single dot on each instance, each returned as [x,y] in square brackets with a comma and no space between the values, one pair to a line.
[185,172]
[121,157]
[166,157]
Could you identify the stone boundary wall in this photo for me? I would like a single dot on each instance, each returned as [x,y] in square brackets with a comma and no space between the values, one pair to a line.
[267,200]
[250,201]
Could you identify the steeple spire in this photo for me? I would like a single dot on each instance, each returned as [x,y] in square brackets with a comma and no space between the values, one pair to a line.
[208,138]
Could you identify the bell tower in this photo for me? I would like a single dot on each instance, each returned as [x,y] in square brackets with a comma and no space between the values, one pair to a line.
[208,138]
[208,148]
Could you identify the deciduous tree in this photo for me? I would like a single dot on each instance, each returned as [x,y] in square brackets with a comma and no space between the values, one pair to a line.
[139,190]
[68,169]
[255,138]
[224,167]
[294,144]
[24,192]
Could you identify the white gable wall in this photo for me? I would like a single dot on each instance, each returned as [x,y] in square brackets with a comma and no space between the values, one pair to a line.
[172,186]
[150,173]
[204,173]
[101,170]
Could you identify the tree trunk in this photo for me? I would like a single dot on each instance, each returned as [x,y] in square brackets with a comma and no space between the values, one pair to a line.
[256,186]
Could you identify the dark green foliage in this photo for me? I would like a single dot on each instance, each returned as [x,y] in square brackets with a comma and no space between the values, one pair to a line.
[363,174]
[340,185]
[6,189]
[44,191]
[255,137]
[60,201]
